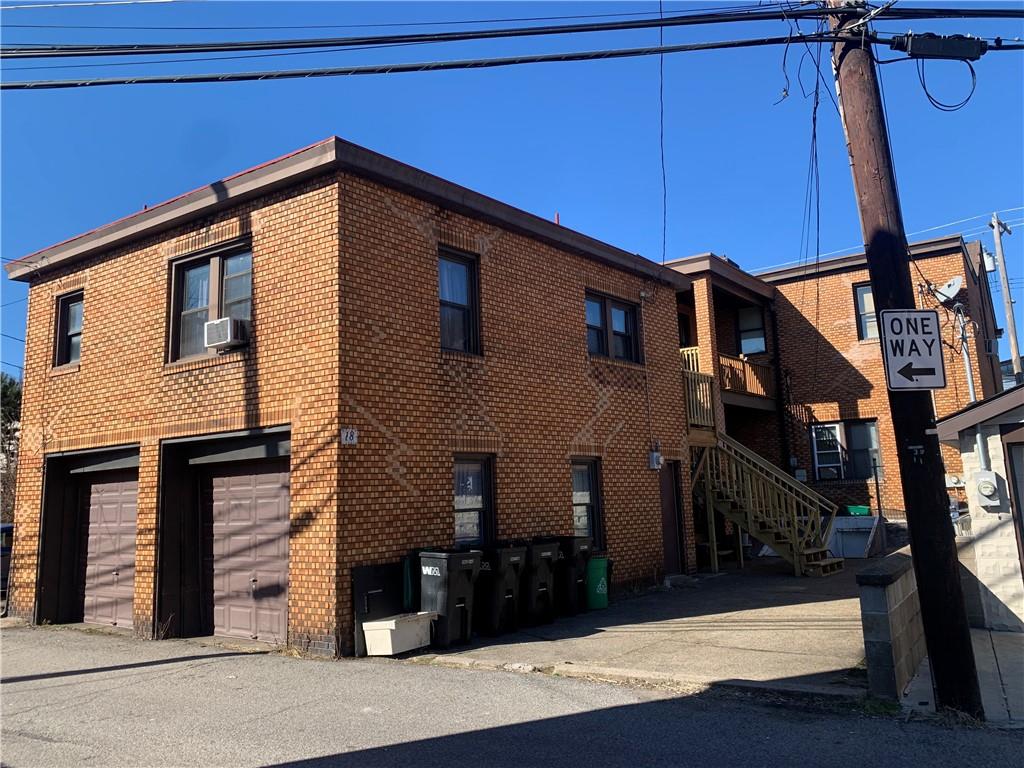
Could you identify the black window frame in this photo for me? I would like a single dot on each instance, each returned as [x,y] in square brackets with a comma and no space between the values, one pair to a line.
[845,465]
[740,330]
[474,345]
[607,329]
[862,334]
[215,306]
[488,512]
[62,336]
[596,512]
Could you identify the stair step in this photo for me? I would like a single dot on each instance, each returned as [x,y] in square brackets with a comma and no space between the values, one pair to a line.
[824,567]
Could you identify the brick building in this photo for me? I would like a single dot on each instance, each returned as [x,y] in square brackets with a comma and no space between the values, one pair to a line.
[418,365]
[797,365]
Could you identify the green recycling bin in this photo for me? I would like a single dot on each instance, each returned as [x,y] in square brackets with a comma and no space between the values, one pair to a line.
[597,582]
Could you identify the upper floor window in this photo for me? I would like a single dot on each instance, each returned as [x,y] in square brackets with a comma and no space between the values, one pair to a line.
[474,499]
[460,303]
[69,329]
[867,323]
[208,288]
[846,450]
[750,322]
[612,328]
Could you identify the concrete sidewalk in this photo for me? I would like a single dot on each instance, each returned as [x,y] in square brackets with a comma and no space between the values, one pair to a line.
[761,627]
[999,657]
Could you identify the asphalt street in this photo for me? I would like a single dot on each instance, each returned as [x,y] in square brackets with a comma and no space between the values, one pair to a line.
[74,698]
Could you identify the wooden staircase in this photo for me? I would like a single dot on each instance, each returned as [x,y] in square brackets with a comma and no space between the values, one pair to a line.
[770,505]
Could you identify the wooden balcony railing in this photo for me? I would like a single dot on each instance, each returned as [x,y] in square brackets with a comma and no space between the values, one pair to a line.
[700,398]
[738,375]
[690,358]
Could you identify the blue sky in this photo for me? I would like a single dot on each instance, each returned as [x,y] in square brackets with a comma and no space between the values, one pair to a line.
[580,139]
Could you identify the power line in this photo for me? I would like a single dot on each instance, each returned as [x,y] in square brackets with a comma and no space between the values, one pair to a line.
[76,50]
[13,365]
[12,303]
[426,66]
[82,5]
[12,338]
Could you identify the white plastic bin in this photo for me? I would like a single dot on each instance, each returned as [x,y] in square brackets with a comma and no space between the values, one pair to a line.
[398,634]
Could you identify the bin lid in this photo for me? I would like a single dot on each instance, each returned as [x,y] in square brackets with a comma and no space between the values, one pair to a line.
[392,622]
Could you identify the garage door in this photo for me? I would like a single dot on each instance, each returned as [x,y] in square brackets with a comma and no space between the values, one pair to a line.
[110,549]
[248,522]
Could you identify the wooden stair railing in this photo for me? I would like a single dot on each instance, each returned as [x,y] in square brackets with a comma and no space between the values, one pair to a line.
[776,509]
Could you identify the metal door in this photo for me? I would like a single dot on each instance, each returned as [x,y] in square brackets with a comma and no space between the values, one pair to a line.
[247,520]
[670,516]
[109,583]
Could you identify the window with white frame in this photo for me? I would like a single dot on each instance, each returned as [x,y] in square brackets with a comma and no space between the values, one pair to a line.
[846,450]
[867,321]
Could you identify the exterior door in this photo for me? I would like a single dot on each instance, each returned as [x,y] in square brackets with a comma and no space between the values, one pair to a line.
[670,516]
[246,512]
[109,584]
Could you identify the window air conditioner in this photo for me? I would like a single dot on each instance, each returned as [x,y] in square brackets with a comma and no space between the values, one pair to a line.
[225,333]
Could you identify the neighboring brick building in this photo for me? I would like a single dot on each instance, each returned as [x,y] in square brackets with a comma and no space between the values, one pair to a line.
[809,392]
[194,492]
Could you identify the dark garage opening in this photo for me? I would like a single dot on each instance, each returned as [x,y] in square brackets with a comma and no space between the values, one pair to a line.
[224,534]
[87,538]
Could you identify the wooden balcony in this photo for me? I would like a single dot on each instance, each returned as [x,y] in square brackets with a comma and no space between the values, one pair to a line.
[700,398]
[746,378]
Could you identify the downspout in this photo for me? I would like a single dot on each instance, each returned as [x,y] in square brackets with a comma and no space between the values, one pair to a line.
[780,392]
[979,441]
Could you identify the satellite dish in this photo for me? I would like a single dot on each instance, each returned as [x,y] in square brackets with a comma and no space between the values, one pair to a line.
[949,291]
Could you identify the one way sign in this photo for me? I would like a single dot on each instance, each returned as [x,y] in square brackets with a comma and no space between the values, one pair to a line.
[912,349]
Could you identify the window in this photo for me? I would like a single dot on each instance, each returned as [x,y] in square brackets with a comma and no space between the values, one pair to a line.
[208,289]
[457,278]
[474,499]
[612,328]
[586,507]
[867,323]
[750,322]
[846,450]
[69,329]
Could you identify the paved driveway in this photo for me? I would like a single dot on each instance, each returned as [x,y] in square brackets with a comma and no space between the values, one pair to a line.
[71,698]
[760,627]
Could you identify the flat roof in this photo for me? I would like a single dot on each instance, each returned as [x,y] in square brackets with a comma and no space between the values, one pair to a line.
[854,261]
[723,267]
[330,154]
[949,427]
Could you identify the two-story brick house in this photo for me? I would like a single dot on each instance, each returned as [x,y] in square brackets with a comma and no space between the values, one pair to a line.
[417,365]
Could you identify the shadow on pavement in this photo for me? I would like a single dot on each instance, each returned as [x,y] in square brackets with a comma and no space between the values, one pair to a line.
[121,667]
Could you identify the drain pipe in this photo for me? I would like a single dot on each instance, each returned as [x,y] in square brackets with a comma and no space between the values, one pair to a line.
[979,441]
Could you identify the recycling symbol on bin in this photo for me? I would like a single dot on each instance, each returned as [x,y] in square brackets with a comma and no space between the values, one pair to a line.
[602,586]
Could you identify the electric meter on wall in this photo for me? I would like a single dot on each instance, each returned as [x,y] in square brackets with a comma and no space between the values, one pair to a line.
[988,488]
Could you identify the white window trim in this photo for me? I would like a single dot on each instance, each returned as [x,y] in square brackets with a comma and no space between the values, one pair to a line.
[840,431]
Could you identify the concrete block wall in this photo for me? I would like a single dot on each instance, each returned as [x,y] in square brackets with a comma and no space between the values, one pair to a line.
[988,548]
[891,617]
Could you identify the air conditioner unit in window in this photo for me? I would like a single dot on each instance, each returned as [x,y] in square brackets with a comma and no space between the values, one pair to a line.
[225,333]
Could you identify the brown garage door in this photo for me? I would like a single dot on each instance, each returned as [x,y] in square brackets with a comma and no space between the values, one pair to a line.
[110,549]
[248,522]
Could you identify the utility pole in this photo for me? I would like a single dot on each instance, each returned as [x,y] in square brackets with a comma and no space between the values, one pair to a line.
[998,228]
[932,543]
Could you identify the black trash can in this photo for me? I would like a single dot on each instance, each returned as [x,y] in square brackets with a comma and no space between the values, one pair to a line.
[446,586]
[538,584]
[496,606]
[571,573]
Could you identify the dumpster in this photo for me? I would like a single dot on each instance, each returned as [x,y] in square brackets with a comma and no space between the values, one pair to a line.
[538,583]
[597,581]
[446,587]
[571,573]
[496,603]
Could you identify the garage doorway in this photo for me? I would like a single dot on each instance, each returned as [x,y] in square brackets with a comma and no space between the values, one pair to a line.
[108,550]
[245,517]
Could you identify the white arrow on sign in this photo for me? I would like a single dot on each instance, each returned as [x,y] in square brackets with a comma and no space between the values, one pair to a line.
[912,349]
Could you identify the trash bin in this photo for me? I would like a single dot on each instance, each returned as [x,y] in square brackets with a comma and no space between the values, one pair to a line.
[446,587]
[538,584]
[597,581]
[571,573]
[496,604]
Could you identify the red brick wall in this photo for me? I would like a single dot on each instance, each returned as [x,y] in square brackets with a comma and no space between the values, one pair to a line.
[832,376]
[345,333]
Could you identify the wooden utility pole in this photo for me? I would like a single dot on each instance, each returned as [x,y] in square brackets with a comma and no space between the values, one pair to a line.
[998,228]
[932,544]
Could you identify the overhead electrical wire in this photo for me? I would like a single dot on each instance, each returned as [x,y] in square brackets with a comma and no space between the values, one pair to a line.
[76,50]
[425,66]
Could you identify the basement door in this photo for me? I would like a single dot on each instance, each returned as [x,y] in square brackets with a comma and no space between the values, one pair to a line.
[670,517]
[246,515]
[109,562]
